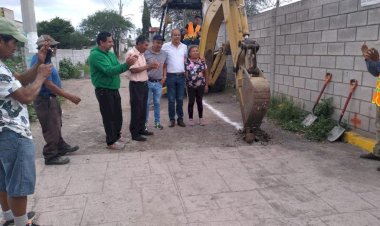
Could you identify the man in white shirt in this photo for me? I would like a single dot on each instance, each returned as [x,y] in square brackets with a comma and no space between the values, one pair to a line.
[175,76]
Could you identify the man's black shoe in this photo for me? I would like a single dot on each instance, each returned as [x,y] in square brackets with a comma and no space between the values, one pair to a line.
[146,133]
[69,149]
[172,123]
[30,215]
[370,156]
[59,160]
[181,123]
[139,138]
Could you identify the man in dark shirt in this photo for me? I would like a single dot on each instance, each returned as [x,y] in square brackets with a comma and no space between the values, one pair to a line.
[49,111]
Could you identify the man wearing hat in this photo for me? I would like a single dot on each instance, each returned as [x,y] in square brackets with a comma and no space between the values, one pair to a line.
[156,78]
[49,111]
[17,161]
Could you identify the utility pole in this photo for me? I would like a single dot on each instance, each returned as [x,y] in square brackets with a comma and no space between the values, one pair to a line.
[121,8]
[30,28]
[118,46]
[274,46]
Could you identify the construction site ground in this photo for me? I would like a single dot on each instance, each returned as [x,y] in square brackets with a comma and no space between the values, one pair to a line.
[200,175]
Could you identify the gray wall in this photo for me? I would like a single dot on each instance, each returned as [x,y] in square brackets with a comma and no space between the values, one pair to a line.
[315,37]
[75,56]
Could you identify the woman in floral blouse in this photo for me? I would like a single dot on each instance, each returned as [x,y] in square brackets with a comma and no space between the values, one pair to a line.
[196,82]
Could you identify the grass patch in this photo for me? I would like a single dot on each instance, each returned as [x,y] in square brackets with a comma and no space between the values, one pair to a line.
[290,116]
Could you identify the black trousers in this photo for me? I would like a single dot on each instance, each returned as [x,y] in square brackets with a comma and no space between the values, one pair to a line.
[138,92]
[195,94]
[110,108]
[49,114]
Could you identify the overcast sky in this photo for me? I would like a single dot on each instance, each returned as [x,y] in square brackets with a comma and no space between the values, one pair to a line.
[77,10]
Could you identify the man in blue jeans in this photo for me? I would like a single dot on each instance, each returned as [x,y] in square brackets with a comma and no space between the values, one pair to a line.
[17,161]
[175,76]
[156,78]
[372,61]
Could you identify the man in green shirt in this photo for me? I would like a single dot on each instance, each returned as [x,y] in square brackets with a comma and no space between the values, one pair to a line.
[105,76]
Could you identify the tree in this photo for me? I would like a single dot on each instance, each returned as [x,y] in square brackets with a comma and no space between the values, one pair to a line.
[146,20]
[57,28]
[106,20]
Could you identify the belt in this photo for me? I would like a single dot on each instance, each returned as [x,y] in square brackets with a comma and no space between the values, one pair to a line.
[139,82]
[178,74]
[155,80]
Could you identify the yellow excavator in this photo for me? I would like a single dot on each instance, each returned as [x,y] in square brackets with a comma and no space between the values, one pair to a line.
[251,84]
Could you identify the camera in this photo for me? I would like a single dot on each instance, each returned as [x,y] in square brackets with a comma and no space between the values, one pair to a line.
[49,54]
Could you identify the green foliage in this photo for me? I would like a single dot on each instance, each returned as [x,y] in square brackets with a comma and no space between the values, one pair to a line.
[67,70]
[15,64]
[146,20]
[78,40]
[32,113]
[290,117]
[57,28]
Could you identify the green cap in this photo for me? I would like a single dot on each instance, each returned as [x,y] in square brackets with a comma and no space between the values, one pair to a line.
[8,27]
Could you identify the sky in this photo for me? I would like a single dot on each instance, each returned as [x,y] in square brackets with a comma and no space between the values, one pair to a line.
[48,9]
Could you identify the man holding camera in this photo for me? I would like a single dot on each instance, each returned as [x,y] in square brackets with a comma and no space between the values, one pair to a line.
[17,154]
[49,110]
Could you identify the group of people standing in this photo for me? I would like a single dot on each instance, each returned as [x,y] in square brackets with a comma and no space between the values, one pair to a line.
[149,68]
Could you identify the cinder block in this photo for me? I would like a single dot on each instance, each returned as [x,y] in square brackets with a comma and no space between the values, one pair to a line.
[372,125]
[285,29]
[367,33]
[304,94]
[315,13]
[314,37]
[357,19]
[291,18]
[289,60]
[290,39]
[348,6]
[296,28]
[348,75]
[280,59]
[318,73]
[322,24]
[295,49]
[288,80]
[345,62]
[279,79]
[363,93]
[328,61]
[313,61]
[374,16]
[280,20]
[330,36]
[307,49]
[335,49]
[283,89]
[329,88]
[293,91]
[305,72]
[300,61]
[280,40]
[301,38]
[303,15]
[285,50]
[308,26]
[284,70]
[337,75]
[368,109]
[294,71]
[353,48]
[330,9]
[277,69]
[360,64]
[320,49]
[339,21]
[353,105]
[311,84]
[348,34]
[369,80]
[341,89]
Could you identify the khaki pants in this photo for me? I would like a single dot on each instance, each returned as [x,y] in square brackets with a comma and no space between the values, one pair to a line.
[376,149]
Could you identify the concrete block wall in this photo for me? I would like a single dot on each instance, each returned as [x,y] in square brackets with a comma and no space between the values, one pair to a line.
[315,37]
[76,56]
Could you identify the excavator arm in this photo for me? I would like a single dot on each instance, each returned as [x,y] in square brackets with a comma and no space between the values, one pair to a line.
[252,87]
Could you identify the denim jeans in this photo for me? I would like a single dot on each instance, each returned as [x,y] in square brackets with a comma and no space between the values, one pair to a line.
[155,91]
[176,88]
[17,164]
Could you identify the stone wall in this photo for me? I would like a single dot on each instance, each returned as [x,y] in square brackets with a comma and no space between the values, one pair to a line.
[315,37]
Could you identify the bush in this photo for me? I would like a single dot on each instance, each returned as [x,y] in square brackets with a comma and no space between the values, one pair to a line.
[67,70]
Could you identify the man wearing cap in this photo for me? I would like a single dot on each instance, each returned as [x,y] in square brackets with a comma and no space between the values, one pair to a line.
[105,76]
[156,78]
[17,160]
[49,110]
